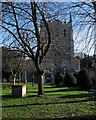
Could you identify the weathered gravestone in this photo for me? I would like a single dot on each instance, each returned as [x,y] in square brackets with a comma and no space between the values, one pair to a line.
[18,90]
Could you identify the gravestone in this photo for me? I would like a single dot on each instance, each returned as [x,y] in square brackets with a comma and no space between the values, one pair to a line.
[18,90]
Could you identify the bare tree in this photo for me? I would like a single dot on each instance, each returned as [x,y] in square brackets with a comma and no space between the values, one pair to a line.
[84,24]
[22,22]
[15,65]
[83,21]
[11,63]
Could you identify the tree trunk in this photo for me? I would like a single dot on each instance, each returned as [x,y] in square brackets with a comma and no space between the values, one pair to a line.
[14,80]
[25,76]
[32,81]
[40,83]
[19,77]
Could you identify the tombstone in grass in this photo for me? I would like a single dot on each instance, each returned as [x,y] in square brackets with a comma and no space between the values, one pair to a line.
[18,90]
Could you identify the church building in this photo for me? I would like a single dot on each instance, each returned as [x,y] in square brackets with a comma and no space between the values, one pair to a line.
[60,57]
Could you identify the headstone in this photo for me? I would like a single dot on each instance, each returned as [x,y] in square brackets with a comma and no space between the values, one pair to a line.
[18,90]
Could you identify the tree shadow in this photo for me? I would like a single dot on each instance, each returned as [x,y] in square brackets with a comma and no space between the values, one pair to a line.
[4,97]
[85,117]
[54,87]
[33,92]
[7,96]
[28,96]
[61,90]
[78,96]
[49,103]
[59,86]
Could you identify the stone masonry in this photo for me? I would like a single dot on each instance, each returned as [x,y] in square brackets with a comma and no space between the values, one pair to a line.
[60,57]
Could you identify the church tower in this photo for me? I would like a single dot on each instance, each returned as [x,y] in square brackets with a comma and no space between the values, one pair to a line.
[61,53]
[70,34]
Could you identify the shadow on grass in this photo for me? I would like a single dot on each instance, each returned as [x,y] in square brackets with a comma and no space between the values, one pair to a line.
[46,87]
[10,96]
[30,96]
[53,86]
[52,91]
[33,92]
[78,96]
[85,117]
[6,96]
[61,90]
[66,102]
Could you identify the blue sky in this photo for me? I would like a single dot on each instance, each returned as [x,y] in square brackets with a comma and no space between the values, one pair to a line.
[75,30]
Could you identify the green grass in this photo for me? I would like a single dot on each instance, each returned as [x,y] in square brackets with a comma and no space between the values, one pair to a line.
[57,102]
[11,83]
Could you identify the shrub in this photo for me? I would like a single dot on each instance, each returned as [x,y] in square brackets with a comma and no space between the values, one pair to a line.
[93,81]
[58,78]
[94,85]
[75,75]
[70,80]
[84,80]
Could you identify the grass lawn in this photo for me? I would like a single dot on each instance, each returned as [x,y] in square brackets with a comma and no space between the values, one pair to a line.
[57,102]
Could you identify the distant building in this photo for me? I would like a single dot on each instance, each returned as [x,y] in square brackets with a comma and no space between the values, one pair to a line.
[60,57]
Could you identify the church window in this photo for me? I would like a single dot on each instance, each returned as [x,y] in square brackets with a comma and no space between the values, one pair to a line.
[64,32]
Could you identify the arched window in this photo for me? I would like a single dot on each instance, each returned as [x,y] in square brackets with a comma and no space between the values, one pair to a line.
[64,32]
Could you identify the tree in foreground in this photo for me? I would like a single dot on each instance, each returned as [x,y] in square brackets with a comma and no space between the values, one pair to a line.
[85,23]
[22,21]
[21,28]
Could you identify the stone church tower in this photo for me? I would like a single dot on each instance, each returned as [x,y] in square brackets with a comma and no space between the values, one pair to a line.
[61,54]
